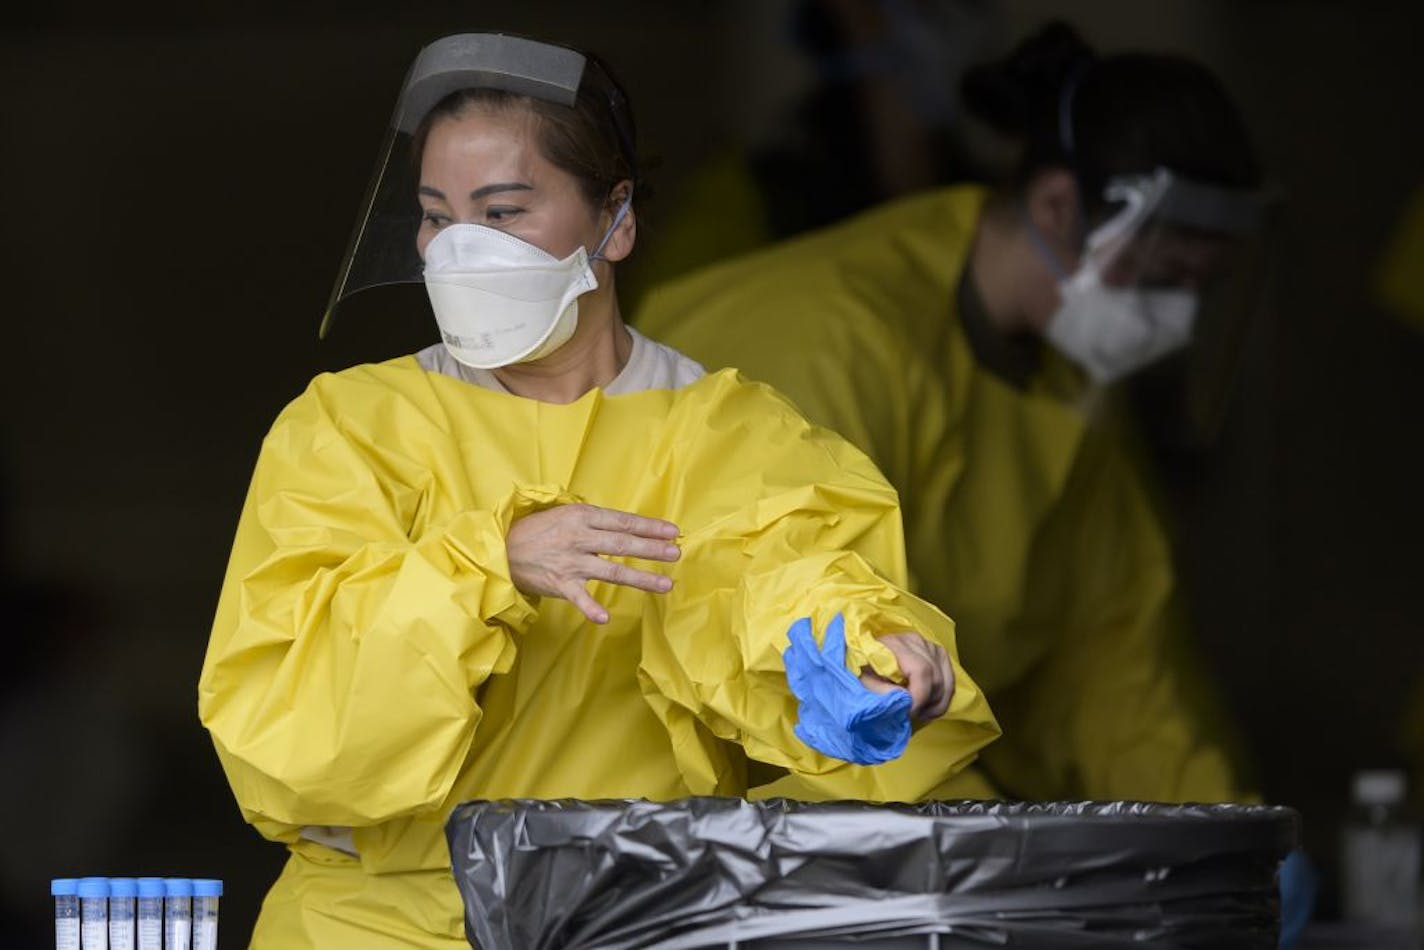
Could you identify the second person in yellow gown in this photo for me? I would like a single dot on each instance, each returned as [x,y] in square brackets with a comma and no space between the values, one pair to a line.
[934,332]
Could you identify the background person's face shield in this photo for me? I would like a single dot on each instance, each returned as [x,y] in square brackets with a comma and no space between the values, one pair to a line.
[1167,238]
[382,249]
[1163,232]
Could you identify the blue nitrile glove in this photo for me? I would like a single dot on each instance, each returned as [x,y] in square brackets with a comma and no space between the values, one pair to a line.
[837,716]
[1298,884]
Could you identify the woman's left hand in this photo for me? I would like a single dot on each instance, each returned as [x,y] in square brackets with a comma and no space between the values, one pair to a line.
[928,674]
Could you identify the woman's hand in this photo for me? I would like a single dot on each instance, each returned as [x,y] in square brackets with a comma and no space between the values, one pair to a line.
[928,674]
[556,552]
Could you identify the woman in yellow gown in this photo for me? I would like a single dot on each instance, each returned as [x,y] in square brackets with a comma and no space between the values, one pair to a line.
[442,586]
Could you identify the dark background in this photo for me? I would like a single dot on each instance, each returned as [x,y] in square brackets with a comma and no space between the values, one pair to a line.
[180,181]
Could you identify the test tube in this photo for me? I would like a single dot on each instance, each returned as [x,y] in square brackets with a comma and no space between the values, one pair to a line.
[65,891]
[122,893]
[177,913]
[205,913]
[94,912]
[150,913]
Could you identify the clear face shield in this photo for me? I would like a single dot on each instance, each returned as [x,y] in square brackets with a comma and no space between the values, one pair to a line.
[1170,279]
[502,298]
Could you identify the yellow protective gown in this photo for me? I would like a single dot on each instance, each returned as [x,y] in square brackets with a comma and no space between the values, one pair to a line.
[1399,277]
[372,664]
[1023,521]
[1411,741]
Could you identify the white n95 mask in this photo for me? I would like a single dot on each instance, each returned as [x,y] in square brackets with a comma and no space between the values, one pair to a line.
[500,300]
[1113,331]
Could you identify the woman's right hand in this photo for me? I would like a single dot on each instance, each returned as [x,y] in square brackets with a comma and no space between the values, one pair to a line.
[556,552]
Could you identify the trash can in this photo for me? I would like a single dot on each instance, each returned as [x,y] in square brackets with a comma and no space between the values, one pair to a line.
[724,872]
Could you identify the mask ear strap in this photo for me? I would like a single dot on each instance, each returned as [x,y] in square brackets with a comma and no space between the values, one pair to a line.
[597,254]
[1035,238]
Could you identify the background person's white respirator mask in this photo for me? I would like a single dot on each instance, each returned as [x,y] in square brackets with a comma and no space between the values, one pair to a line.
[1113,331]
[500,300]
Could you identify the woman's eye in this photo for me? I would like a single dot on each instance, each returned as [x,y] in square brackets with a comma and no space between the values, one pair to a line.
[435,219]
[501,213]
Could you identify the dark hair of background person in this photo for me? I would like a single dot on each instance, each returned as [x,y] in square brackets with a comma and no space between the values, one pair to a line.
[595,141]
[1128,113]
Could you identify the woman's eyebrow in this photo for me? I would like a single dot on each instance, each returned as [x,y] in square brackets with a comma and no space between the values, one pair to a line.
[479,193]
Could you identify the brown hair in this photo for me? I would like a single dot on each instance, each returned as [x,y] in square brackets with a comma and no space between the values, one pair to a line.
[595,140]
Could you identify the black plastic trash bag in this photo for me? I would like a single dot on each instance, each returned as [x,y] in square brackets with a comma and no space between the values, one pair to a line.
[713,872]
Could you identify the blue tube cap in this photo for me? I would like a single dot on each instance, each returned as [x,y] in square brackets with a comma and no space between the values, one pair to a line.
[207,887]
[123,887]
[64,887]
[177,887]
[93,887]
[151,887]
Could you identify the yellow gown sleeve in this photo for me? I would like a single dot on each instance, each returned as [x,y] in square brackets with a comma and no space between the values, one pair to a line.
[823,538]
[1113,710]
[351,632]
